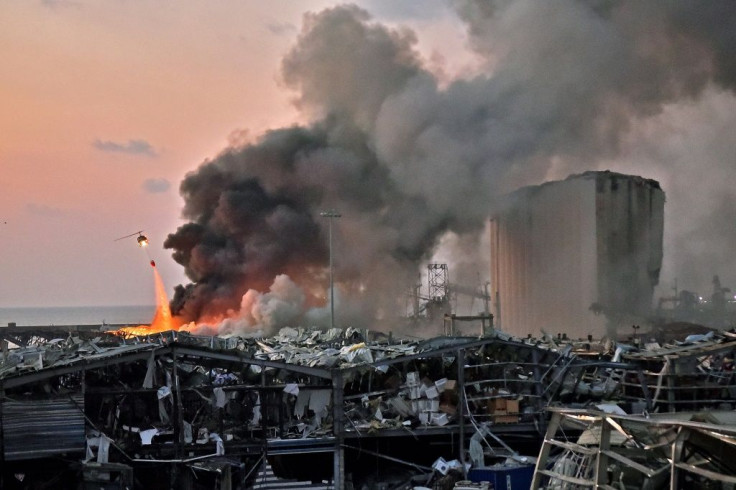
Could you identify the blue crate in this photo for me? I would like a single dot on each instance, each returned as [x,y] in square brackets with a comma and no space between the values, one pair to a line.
[504,477]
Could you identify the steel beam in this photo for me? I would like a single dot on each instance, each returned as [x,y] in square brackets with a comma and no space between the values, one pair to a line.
[81,365]
[242,359]
[338,426]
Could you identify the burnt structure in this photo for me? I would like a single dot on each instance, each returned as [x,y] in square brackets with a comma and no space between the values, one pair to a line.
[616,450]
[351,408]
[174,410]
[579,256]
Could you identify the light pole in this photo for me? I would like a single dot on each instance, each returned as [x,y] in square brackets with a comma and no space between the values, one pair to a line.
[331,214]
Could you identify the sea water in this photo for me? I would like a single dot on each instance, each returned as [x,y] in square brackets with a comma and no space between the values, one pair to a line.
[77,315]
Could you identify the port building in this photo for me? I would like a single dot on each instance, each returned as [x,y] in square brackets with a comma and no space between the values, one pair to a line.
[577,257]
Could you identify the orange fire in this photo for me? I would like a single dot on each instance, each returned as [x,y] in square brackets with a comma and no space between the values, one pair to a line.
[162,319]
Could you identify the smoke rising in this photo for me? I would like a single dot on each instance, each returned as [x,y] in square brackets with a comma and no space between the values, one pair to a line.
[565,87]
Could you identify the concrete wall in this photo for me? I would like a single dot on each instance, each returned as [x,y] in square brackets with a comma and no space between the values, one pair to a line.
[630,217]
[559,248]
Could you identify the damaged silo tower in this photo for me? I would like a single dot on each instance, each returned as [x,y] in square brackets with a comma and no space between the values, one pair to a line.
[571,255]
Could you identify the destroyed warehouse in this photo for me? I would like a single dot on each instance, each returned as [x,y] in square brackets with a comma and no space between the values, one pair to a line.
[357,409]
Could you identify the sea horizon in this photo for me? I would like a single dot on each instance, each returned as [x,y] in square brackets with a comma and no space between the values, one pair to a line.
[23,316]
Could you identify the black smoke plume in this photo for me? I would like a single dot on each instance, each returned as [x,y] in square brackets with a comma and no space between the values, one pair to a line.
[563,87]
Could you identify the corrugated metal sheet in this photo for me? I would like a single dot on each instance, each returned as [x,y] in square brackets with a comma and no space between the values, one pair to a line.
[39,428]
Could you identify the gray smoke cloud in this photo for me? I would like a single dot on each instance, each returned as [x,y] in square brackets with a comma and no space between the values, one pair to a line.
[564,88]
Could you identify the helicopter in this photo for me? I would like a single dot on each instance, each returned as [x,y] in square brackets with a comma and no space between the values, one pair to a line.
[142,239]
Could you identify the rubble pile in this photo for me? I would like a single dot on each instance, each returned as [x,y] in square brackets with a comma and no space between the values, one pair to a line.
[233,402]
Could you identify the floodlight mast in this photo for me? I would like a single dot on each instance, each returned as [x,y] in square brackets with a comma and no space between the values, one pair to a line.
[331,214]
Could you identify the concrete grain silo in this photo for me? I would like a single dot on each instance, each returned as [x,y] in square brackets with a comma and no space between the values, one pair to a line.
[577,255]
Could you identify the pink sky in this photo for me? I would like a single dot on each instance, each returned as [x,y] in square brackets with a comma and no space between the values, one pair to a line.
[107,105]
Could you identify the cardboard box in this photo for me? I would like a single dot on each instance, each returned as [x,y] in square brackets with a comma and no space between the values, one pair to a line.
[497,405]
[503,406]
[505,419]
[512,406]
[450,397]
[441,466]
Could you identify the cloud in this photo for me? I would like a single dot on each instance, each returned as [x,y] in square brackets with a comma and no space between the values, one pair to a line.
[281,28]
[43,210]
[53,4]
[132,147]
[156,186]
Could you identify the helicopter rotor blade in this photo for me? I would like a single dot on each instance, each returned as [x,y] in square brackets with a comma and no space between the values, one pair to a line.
[128,236]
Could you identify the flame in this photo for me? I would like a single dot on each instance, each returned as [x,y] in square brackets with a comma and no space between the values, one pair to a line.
[258,311]
[162,319]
